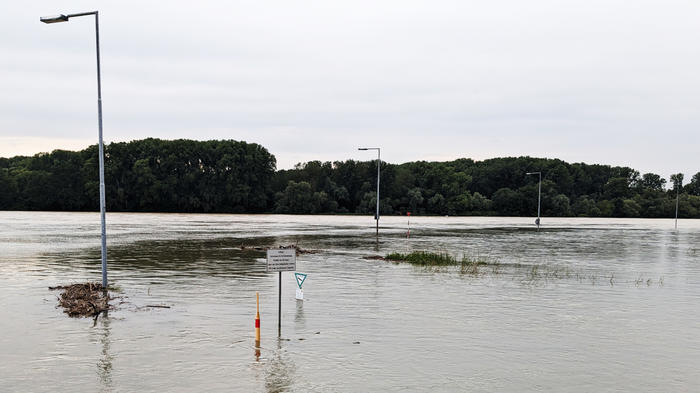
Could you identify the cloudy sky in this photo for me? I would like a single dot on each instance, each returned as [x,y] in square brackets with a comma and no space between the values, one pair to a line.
[596,81]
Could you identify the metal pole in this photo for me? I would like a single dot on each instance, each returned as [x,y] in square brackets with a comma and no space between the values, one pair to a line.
[539,199]
[279,309]
[102,162]
[379,161]
[677,191]
[65,18]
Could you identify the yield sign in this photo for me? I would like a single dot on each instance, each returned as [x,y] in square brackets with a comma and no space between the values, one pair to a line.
[300,278]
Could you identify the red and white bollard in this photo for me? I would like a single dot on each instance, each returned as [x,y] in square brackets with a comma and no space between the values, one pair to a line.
[408,231]
[257,320]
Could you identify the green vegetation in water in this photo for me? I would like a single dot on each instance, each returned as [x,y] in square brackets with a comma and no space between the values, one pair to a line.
[468,264]
[425,258]
[533,275]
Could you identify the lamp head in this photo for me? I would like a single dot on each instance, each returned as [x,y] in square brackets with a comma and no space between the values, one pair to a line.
[54,18]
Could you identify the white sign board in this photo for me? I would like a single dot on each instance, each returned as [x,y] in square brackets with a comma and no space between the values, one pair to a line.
[281,260]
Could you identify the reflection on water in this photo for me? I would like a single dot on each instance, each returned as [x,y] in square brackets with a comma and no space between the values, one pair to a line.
[568,309]
[279,373]
[104,365]
[299,315]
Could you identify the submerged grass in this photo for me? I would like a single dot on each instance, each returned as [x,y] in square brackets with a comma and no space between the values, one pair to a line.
[468,264]
[531,275]
[424,258]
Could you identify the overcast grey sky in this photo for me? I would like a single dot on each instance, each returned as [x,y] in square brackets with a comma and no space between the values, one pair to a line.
[596,81]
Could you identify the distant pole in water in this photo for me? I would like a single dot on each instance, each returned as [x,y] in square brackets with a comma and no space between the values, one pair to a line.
[257,320]
[676,227]
[677,180]
[379,161]
[279,309]
[408,231]
[539,198]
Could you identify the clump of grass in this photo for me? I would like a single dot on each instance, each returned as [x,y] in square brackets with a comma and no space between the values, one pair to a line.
[468,264]
[424,258]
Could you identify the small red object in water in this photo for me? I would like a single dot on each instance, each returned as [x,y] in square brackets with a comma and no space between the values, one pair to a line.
[408,213]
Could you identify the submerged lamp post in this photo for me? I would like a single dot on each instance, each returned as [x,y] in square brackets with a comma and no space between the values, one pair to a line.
[677,196]
[65,18]
[677,180]
[376,217]
[539,197]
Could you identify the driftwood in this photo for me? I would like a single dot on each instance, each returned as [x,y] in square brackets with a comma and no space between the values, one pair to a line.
[375,257]
[294,246]
[83,300]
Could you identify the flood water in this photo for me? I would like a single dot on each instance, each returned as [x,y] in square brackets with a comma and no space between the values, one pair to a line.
[584,305]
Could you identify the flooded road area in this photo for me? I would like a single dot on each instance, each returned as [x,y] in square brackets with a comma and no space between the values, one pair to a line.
[583,305]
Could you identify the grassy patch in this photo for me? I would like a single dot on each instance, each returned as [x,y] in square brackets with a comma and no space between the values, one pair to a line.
[476,265]
[468,264]
[424,258]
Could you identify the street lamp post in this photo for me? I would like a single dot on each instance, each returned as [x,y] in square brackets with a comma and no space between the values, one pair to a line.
[65,18]
[376,217]
[539,197]
[677,180]
[677,197]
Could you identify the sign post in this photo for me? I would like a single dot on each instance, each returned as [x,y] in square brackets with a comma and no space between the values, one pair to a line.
[280,260]
[300,277]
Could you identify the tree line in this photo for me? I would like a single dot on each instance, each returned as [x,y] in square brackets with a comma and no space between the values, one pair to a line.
[227,176]
[149,175]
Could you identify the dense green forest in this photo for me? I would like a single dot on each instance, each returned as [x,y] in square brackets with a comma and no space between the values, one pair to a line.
[239,177]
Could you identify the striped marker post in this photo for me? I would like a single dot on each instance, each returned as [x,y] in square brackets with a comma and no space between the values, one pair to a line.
[408,232]
[257,320]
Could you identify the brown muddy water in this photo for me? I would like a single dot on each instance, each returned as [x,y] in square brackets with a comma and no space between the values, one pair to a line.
[585,305]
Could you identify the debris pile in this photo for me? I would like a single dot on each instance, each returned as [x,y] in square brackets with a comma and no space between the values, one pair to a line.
[294,246]
[83,300]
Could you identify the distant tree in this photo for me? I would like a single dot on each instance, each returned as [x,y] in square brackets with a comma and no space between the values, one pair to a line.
[437,204]
[606,208]
[298,198]
[652,181]
[415,199]
[630,208]
[460,204]
[693,187]
[677,181]
[560,206]
[585,207]
[480,203]
[8,189]
[617,187]
[507,202]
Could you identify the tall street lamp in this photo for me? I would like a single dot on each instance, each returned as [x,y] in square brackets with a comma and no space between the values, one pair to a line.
[539,197]
[65,18]
[376,217]
[678,184]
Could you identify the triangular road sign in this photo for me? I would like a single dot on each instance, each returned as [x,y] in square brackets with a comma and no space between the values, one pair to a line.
[300,278]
